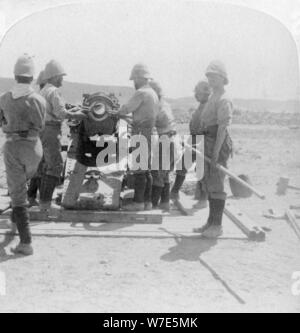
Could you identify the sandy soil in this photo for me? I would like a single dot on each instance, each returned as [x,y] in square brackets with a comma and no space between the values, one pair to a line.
[179,275]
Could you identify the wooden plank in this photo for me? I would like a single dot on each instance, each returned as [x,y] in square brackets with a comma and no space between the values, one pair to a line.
[122,234]
[86,216]
[244,223]
[108,217]
[74,177]
[292,222]
[170,230]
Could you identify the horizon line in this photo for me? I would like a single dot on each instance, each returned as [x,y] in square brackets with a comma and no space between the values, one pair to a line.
[176,98]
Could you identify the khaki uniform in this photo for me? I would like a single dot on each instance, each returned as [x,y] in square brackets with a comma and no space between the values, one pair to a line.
[218,111]
[51,135]
[195,129]
[22,118]
[195,122]
[143,106]
[165,125]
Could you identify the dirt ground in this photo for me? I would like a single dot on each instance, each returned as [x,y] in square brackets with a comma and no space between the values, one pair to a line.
[127,274]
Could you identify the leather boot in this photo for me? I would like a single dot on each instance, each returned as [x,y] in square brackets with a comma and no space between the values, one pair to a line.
[34,186]
[209,219]
[48,184]
[179,180]
[13,225]
[148,191]
[165,197]
[156,194]
[197,190]
[215,229]
[139,187]
[218,209]
[25,249]
[20,216]
[139,192]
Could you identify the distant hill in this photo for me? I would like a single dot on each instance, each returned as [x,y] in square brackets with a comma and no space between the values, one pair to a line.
[72,93]
[255,105]
[258,105]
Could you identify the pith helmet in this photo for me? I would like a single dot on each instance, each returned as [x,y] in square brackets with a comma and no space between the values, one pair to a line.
[217,67]
[41,78]
[52,69]
[24,66]
[156,87]
[140,71]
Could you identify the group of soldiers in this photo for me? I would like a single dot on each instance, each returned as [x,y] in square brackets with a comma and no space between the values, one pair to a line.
[212,119]
[32,123]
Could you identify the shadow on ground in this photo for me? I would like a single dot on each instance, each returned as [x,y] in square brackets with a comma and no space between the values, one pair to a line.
[191,249]
[188,248]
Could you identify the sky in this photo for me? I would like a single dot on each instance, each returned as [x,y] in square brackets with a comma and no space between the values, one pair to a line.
[98,42]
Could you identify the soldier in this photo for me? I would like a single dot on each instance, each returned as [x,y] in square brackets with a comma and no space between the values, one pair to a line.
[35,181]
[215,120]
[55,114]
[40,81]
[144,106]
[165,126]
[202,92]
[22,119]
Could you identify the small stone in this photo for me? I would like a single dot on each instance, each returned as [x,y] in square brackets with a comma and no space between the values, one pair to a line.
[147,264]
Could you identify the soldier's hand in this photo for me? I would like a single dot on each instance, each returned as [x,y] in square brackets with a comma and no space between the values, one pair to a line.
[79,115]
[74,109]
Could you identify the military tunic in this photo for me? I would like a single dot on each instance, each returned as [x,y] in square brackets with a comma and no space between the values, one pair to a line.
[143,106]
[51,136]
[22,118]
[165,126]
[217,112]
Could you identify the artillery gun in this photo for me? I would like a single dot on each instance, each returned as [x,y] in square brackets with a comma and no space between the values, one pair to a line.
[86,184]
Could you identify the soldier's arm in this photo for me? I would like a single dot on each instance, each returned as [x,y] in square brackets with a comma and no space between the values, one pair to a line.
[133,104]
[225,111]
[2,119]
[38,112]
[193,123]
[58,105]
[60,111]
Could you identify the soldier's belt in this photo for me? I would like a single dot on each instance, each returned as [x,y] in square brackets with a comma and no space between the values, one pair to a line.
[14,137]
